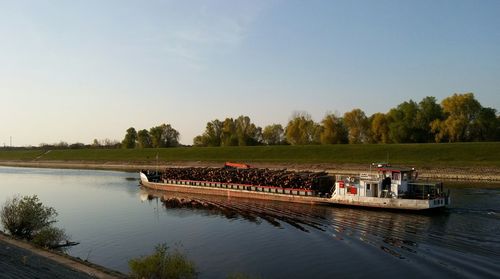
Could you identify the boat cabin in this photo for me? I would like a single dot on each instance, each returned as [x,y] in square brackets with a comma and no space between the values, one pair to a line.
[385,181]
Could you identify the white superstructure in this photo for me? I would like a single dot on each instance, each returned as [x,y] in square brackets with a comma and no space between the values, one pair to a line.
[388,186]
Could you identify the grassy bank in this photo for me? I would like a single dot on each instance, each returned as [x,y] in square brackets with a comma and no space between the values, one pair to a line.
[428,155]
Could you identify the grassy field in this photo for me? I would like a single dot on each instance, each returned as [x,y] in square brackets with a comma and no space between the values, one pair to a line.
[456,154]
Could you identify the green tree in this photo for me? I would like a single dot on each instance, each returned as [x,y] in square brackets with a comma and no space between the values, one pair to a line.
[301,129]
[379,128]
[130,138]
[428,111]
[96,144]
[170,136]
[273,134]
[144,139]
[212,135]
[402,123]
[497,131]
[357,125]
[156,134]
[486,126]
[333,130]
[461,111]
[229,135]
[62,145]
[199,141]
[247,132]
[164,136]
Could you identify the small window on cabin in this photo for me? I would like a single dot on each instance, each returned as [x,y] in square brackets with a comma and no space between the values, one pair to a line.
[368,187]
[395,176]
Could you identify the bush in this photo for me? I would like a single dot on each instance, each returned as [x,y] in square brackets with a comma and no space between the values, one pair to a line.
[29,219]
[163,264]
[49,237]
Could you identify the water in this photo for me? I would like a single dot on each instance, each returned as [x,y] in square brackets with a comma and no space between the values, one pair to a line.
[115,221]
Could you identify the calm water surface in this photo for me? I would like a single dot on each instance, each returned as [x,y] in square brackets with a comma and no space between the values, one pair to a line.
[114,220]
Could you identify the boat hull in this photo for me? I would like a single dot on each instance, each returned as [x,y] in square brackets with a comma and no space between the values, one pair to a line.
[233,193]
[390,203]
[225,190]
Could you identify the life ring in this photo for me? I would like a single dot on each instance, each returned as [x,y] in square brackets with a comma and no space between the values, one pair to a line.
[351,179]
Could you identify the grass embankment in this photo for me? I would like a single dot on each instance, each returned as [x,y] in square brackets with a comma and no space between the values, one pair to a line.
[421,155]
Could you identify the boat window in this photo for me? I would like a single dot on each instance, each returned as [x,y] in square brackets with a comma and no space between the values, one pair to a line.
[395,176]
[367,186]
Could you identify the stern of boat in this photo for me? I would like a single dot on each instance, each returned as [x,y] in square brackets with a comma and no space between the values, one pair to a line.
[439,202]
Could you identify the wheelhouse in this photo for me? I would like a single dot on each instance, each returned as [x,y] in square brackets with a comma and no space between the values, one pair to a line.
[386,181]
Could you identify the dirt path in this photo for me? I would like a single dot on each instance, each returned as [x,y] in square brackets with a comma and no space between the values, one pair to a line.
[19,259]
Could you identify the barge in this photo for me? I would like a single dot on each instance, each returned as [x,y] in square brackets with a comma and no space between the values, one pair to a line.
[383,187]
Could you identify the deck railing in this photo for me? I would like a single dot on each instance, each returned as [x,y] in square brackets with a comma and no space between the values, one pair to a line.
[425,190]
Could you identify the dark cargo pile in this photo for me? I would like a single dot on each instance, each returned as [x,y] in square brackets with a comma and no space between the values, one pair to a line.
[253,176]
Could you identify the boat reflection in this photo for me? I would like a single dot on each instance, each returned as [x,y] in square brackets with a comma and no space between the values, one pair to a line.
[397,234]
[274,213]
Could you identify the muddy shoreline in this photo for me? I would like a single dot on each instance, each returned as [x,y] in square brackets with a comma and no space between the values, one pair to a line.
[476,174]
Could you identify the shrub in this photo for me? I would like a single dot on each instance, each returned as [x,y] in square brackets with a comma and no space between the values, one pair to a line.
[49,237]
[29,219]
[24,217]
[163,264]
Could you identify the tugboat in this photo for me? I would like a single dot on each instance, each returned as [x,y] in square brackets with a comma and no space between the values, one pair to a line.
[389,187]
[384,187]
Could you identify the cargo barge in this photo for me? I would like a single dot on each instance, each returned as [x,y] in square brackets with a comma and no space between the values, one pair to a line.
[383,187]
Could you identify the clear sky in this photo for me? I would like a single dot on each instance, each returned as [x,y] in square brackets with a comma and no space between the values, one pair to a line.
[79,70]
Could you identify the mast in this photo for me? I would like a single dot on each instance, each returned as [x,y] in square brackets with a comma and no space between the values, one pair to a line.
[156,162]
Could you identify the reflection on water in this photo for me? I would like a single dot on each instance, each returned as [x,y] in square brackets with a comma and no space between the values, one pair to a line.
[114,220]
[431,238]
[132,178]
[239,208]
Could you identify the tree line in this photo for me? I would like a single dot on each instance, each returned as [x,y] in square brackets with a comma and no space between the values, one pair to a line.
[96,144]
[159,136]
[458,118]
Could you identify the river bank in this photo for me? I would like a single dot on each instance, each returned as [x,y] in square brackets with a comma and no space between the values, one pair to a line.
[19,259]
[473,173]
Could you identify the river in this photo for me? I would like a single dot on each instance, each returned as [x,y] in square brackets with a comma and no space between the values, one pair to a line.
[114,220]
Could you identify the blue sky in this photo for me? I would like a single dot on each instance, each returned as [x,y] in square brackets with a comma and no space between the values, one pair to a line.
[79,70]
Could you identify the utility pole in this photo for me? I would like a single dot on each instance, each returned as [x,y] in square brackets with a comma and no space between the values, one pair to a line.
[10,141]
